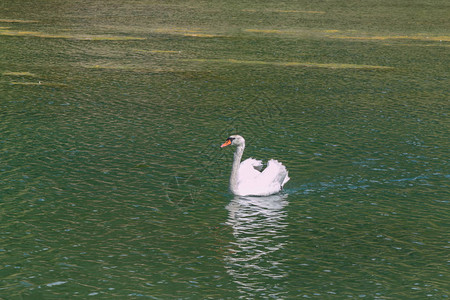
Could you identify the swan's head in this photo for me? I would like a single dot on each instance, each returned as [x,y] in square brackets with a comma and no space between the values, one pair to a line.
[235,140]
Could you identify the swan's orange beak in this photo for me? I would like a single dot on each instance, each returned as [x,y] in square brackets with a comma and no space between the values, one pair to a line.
[227,142]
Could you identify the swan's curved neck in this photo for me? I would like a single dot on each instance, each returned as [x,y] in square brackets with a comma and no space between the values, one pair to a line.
[235,168]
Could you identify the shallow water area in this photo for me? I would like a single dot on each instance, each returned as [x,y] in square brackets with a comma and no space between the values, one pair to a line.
[113,182]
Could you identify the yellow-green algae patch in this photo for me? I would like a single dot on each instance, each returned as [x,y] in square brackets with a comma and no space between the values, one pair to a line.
[188,32]
[419,44]
[16,21]
[204,35]
[300,32]
[19,74]
[68,36]
[158,51]
[110,67]
[299,11]
[39,83]
[395,37]
[285,11]
[293,64]
[25,83]
[265,31]
[130,68]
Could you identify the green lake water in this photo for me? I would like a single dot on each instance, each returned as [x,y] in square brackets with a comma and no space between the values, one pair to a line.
[113,184]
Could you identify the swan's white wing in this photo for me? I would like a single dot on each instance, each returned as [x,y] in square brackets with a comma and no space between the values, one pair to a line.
[253,182]
[251,162]
[248,170]
[275,174]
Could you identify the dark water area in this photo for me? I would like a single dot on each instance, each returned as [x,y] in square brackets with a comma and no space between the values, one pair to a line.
[113,183]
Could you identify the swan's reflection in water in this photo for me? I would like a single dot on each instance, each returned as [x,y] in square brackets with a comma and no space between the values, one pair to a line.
[255,261]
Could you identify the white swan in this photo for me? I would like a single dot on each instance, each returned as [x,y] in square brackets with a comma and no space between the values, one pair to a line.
[246,177]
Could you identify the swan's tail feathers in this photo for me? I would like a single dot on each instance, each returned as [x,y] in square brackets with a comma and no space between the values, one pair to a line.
[254,163]
[286,179]
[278,171]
